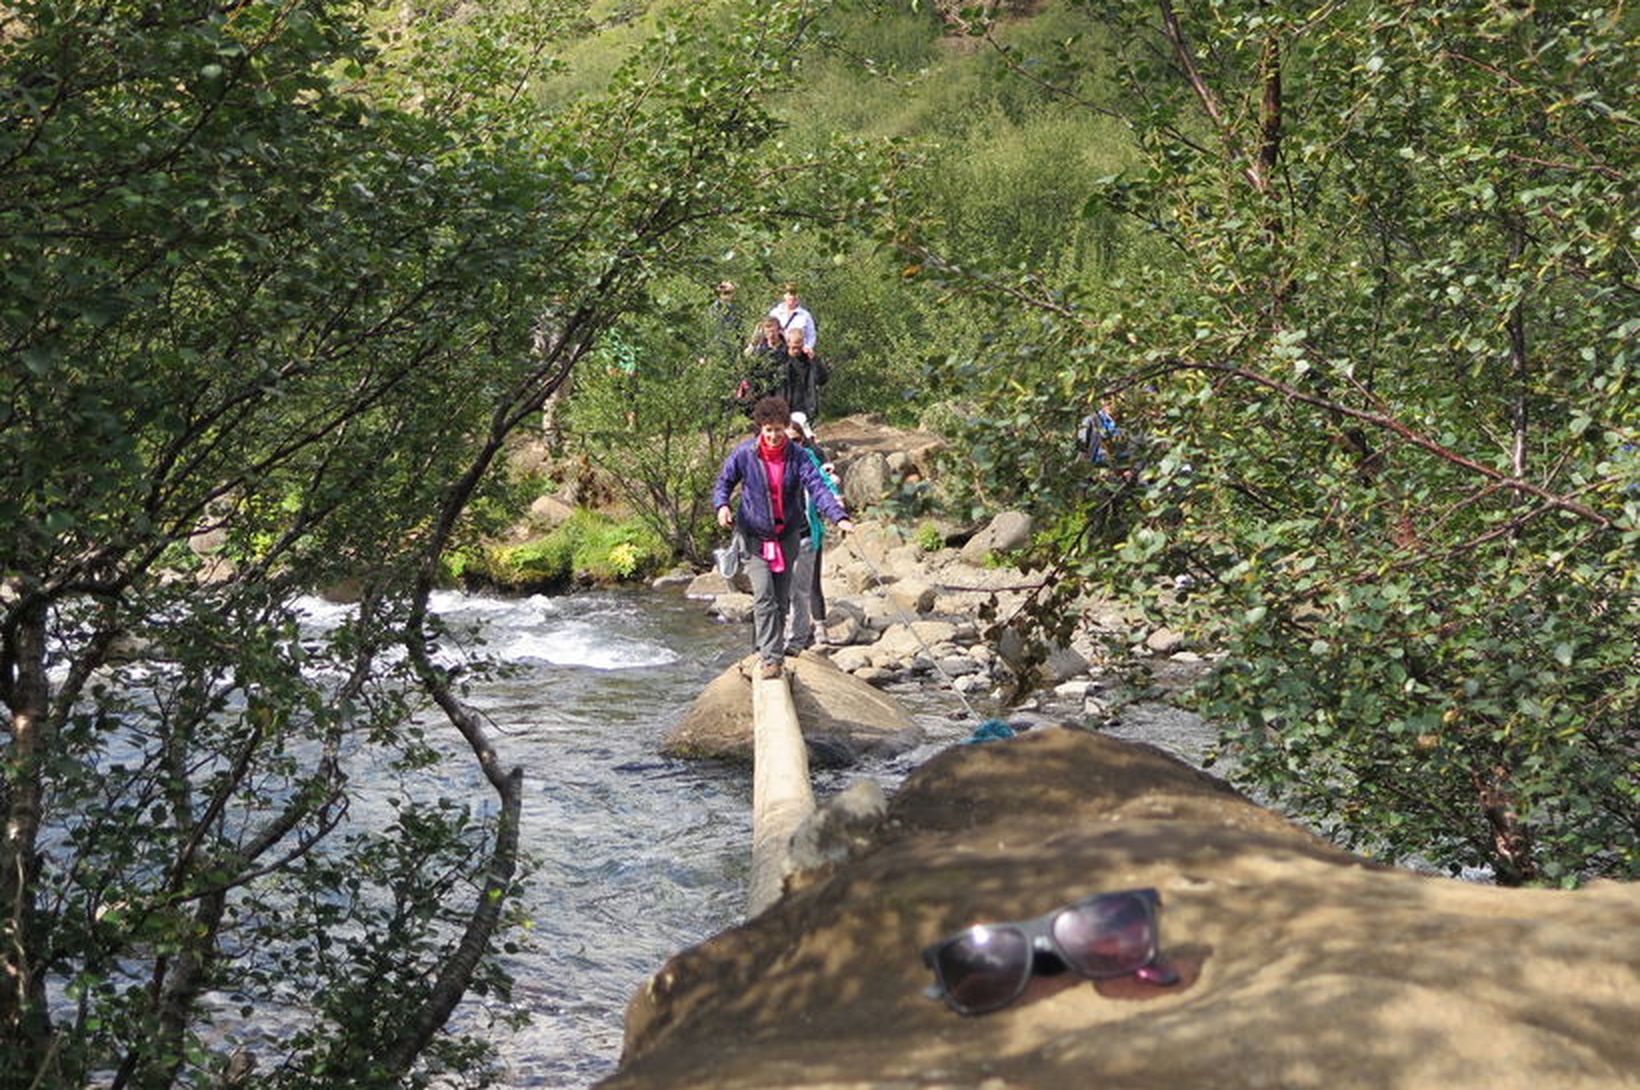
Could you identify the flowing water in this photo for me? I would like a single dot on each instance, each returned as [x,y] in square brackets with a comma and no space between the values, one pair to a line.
[633,856]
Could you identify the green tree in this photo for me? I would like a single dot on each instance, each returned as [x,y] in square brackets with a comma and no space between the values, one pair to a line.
[1370,342]
[269,284]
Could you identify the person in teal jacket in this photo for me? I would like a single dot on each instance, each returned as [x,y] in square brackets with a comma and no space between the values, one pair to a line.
[808,602]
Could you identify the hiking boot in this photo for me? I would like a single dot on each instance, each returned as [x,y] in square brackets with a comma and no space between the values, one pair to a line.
[770,670]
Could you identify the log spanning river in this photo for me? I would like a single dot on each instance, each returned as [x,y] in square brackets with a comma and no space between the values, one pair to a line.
[631,856]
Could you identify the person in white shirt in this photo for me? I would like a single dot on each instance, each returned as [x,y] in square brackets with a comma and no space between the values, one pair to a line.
[790,313]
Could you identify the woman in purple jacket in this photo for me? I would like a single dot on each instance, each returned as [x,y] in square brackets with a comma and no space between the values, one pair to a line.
[773,475]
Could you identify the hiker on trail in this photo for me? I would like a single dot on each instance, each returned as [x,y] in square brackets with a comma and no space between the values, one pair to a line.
[1095,432]
[773,476]
[790,313]
[765,374]
[808,601]
[727,319]
[805,374]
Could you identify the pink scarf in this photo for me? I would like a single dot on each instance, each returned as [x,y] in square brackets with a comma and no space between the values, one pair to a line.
[774,466]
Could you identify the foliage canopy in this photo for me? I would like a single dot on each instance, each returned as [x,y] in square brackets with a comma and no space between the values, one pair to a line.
[283,276]
[1369,334]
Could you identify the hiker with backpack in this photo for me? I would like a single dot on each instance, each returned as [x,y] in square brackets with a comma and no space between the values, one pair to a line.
[791,314]
[1095,433]
[765,372]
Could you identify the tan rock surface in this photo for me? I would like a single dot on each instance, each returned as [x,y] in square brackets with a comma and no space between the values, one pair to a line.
[843,718]
[1305,967]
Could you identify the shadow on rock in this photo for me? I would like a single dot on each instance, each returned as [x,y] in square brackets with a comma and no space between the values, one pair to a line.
[1303,966]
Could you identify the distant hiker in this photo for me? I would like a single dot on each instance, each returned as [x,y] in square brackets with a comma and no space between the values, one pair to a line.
[724,310]
[805,374]
[790,313]
[765,374]
[773,475]
[767,337]
[808,601]
[727,319]
[1094,433]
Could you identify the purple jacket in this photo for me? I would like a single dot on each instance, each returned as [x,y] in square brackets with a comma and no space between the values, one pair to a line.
[755,516]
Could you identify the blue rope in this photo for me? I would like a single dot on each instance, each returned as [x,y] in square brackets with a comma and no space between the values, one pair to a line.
[991,730]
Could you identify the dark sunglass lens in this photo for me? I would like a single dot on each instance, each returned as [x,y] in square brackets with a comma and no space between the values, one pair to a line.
[985,968]
[1108,936]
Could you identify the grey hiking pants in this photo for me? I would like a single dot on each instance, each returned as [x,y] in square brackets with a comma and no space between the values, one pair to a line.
[771,596]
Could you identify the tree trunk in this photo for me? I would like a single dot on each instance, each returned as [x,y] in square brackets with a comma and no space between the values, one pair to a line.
[25,1028]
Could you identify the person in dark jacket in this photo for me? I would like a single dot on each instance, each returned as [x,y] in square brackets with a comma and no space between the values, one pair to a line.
[805,374]
[765,366]
[773,475]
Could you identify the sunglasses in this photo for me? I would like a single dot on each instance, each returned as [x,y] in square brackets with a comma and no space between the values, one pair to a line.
[986,967]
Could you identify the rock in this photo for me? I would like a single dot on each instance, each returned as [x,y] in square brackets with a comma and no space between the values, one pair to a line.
[736,608]
[958,666]
[848,630]
[872,542]
[1077,688]
[911,595]
[840,827]
[678,577]
[851,659]
[907,640]
[549,511]
[843,719]
[905,562]
[208,545]
[866,481]
[1007,531]
[962,603]
[854,437]
[1164,641]
[858,577]
[1057,663]
[1302,967]
[879,613]
[899,462]
[707,585]
[974,683]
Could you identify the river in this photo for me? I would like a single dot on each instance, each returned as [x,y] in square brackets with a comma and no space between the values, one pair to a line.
[632,856]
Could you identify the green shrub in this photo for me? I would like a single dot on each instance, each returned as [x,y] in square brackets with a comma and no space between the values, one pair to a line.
[587,547]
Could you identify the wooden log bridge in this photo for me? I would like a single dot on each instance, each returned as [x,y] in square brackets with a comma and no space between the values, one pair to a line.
[781,796]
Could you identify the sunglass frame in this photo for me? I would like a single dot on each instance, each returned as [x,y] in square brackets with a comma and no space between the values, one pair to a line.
[1038,932]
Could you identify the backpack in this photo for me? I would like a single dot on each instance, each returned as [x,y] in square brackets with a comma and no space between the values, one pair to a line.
[1091,434]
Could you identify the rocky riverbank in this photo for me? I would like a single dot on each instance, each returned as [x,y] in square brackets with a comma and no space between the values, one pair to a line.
[1299,965]
[905,608]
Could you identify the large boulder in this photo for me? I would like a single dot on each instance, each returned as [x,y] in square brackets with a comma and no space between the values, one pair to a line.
[867,480]
[843,719]
[1038,663]
[550,511]
[1302,967]
[1006,532]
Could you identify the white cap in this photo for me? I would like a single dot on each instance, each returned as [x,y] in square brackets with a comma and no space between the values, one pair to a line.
[801,419]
